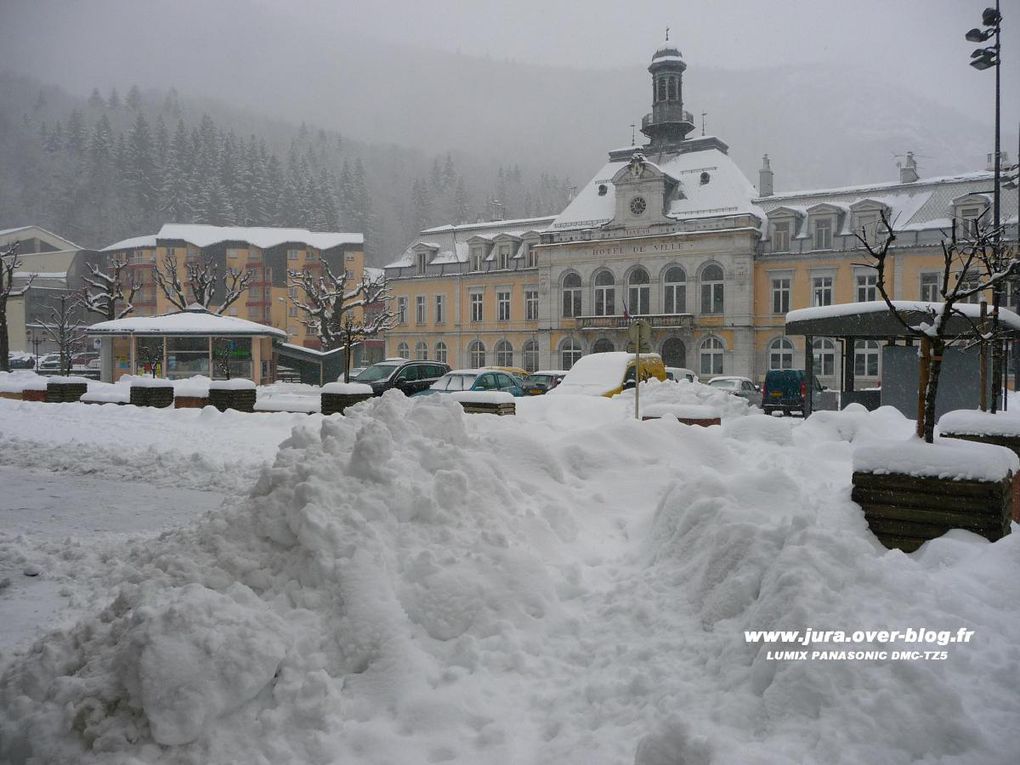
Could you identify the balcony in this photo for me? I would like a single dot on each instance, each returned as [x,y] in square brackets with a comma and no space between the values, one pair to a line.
[657,320]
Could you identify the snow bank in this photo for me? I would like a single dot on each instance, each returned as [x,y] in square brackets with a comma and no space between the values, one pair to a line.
[411,584]
[946,458]
[660,397]
[972,422]
[347,389]
[238,383]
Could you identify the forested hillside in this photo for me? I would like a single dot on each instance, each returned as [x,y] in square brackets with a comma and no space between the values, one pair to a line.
[116,165]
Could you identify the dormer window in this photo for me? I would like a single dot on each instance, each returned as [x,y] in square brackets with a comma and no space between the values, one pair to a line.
[781,236]
[970,220]
[823,234]
[504,256]
[531,256]
[867,227]
[423,261]
[477,257]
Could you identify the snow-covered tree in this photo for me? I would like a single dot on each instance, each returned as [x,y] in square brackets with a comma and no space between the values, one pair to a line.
[202,280]
[104,290]
[9,265]
[339,314]
[64,329]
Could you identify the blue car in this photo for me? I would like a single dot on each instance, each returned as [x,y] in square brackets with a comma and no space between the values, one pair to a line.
[475,380]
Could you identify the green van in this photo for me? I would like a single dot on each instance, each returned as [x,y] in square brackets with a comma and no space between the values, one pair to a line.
[786,390]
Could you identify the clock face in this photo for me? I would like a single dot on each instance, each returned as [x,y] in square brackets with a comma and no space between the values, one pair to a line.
[637,205]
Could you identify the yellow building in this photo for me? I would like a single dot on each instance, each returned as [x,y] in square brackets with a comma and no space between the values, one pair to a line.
[468,295]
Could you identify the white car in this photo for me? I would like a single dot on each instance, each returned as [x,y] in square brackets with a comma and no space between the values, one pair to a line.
[681,373]
[738,386]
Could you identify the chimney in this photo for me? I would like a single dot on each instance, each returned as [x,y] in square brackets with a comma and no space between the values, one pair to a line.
[765,177]
[908,170]
[1003,161]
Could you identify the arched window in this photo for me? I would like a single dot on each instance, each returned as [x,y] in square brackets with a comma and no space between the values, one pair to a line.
[824,350]
[603,345]
[570,352]
[441,352]
[674,285]
[639,292]
[571,295]
[781,353]
[403,351]
[712,289]
[662,89]
[673,94]
[504,354]
[674,352]
[712,356]
[421,350]
[476,352]
[530,355]
[866,358]
[605,294]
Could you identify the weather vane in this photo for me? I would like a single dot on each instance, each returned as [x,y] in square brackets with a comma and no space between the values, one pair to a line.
[632,126]
[667,34]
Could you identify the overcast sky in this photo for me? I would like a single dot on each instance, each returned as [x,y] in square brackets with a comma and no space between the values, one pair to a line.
[919,43]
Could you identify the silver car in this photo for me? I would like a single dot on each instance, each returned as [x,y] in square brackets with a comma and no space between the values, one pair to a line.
[738,386]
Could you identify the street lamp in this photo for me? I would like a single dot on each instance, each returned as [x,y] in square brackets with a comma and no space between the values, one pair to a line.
[981,59]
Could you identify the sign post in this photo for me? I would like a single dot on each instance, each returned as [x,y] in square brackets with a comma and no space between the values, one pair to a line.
[640,334]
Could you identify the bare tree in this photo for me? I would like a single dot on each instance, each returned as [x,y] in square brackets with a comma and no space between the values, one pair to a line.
[9,265]
[104,290]
[202,279]
[970,266]
[65,329]
[341,317]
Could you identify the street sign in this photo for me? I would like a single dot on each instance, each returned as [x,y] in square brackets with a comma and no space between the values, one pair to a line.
[640,333]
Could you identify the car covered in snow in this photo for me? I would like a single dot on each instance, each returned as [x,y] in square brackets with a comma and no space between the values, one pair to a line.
[681,373]
[606,374]
[737,386]
[475,380]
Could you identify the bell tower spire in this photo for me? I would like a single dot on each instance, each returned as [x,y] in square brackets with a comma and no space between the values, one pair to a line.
[668,124]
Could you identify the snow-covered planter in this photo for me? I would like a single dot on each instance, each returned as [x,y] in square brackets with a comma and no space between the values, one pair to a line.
[485,402]
[236,394]
[1001,429]
[337,396]
[688,414]
[65,389]
[152,391]
[912,491]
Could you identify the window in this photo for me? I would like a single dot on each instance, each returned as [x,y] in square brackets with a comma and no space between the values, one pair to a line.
[503,306]
[504,256]
[571,295]
[531,256]
[530,355]
[403,351]
[968,282]
[712,356]
[824,351]
[292,254]
[781,353]
[867,227]
[866,357]
[292,311]
[477,257]
[931,287]
[823,234]
[419,309]
[781,237]
[570,352]
[421,351]
[639,292]
[423,261]
[441,352]
[970,221]
[504,354]
[675,291]
[712,289]
[531,305]
[605,294]
[401,310]
[476,306]
[440,309]
[603,345]
[781,295]
[476,352]
[821,290]
[867,287]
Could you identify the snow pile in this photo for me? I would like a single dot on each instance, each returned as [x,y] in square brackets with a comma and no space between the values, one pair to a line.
[408,583]
[347,389]
[973,422]
[946,458]
[681,398]
[21,380]
[237,383]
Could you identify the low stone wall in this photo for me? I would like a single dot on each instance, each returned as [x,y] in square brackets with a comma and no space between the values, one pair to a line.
[336,403]
[905,511]
[485,407]
[191,402]
[14,395]
[33,395]
[160,397]
[64,392]
[703,422]
[241,399]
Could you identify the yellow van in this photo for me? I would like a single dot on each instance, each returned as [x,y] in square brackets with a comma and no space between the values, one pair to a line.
[606,374]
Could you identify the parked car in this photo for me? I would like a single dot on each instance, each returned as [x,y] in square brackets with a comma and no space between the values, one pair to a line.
[49,363]
[515,371]
[402,374]
[786,390]
[543,381]
[606,374]
[475,380]
[20,361]
[738,386]
[681,373]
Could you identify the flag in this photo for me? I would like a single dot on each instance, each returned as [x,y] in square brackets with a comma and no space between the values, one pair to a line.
[626,313]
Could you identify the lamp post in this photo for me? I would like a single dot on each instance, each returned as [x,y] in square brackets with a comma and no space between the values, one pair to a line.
[981,59]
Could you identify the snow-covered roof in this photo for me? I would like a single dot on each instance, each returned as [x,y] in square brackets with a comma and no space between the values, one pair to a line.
[193,321]
[54,240]
[450,242]
[923,204]
[727,192]
[913,310]
[202,235]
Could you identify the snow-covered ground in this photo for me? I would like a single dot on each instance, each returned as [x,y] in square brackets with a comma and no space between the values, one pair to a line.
[412,584]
